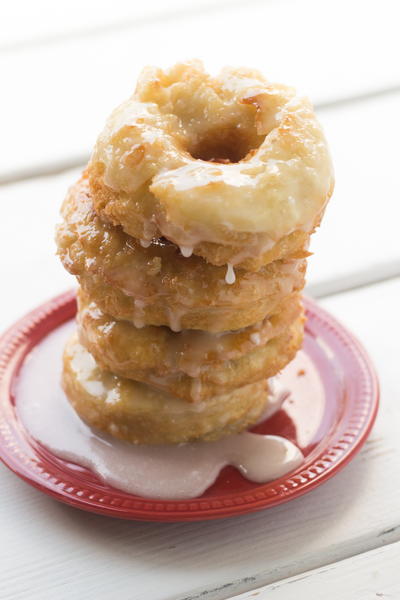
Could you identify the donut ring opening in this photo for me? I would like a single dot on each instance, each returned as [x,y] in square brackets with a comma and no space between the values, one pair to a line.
[225,146]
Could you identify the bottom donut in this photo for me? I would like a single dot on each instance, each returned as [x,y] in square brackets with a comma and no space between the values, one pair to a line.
[140,414]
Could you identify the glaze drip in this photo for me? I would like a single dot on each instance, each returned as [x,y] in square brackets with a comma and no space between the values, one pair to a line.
[230,276]
[186,251]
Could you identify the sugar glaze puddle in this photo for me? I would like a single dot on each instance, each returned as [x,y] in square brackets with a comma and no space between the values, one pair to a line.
[167,472]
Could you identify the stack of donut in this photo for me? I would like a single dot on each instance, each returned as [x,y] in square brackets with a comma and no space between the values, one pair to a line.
[188,234]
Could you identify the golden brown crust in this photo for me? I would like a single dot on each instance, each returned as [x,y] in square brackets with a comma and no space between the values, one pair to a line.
[140,414]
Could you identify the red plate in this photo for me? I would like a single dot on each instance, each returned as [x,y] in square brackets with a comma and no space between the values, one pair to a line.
[331,410]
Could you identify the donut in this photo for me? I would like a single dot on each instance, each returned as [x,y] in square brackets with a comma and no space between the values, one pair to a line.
[140,414]
[157,285]
[119,344]
[121,348]
[155,355]
[233,168]
[261,363]
[177,317]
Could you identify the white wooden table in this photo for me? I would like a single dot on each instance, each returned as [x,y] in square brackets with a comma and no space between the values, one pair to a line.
[64,65]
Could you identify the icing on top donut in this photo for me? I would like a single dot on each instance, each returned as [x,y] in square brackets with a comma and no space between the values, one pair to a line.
[233,159]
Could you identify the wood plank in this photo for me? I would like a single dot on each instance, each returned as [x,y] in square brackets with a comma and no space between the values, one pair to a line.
[24,23]
[50,549]
[359,231]
[29,265]
[368,576]
[55,96]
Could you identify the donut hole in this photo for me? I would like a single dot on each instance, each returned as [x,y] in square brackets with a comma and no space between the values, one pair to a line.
[226,145]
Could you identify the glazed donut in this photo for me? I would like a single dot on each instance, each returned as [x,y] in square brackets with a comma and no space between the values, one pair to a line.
[262,363]
[232,168]
[120,348]
[160,351]
[157,285]
[140,414]
[177,317]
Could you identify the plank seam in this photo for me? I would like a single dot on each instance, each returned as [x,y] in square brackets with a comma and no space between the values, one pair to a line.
[319,567]
[123,25]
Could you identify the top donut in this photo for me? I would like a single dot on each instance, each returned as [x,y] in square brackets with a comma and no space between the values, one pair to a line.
[232,168]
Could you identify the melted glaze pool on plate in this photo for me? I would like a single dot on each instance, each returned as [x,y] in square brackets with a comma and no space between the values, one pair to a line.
[168,471]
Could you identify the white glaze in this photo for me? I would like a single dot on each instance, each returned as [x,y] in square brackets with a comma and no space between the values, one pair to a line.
[174,317]
[230,276]
[255,338]
[170,472]
[186,251]
[145,243]
[138,317]
[195,390]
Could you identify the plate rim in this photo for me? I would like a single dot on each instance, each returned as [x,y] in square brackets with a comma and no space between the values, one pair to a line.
[19,339]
